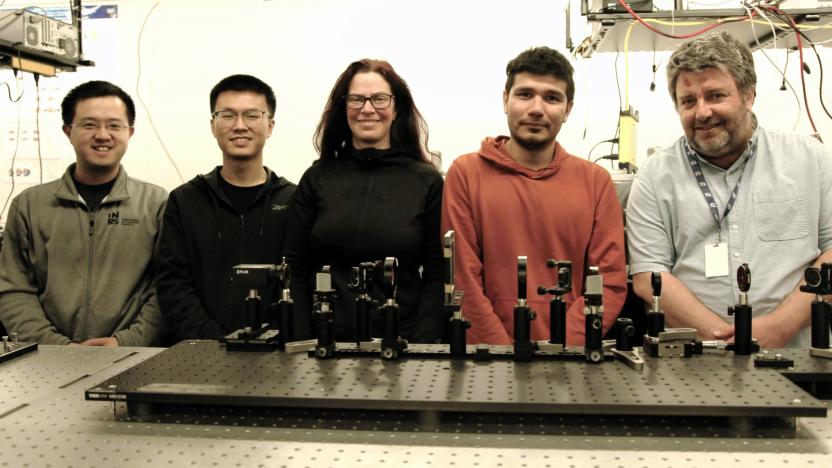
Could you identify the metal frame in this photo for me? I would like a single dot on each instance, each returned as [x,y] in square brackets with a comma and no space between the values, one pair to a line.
[609,29]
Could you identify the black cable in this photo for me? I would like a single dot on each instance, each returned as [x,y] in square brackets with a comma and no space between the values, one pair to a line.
[16,138]
[16,46]
[14,157]
[653,83]
[786,85]
[37,125]
[783,84]
[9,88]
[786,19]
[611,140]
[820,84]
[611,157]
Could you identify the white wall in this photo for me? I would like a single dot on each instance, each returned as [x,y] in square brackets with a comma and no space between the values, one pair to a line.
[452,53]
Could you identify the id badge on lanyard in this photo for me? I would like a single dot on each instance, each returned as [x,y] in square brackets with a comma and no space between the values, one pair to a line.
[716,259]
[716,254]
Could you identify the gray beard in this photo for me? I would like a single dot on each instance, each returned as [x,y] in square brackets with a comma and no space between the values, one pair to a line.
[723,145]
[716,147]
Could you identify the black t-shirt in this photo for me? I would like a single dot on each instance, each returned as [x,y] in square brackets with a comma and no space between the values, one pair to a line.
[93,194]
[241,198]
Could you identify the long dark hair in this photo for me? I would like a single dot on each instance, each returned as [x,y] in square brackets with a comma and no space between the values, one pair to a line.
[408,131]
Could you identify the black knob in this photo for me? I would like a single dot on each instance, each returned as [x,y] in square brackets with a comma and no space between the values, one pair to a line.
[744,277]
[656,282]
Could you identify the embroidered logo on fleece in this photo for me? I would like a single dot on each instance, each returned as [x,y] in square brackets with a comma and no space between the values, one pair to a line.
[113,219]
[277,207]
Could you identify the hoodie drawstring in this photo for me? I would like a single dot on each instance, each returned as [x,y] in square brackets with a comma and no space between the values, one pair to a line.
[265,211]
[217,223]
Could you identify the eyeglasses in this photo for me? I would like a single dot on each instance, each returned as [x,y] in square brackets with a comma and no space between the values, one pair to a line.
[227,118]
[112,127]
[378,101]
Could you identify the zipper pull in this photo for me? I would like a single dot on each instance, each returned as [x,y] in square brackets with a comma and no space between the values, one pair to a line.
[92,224]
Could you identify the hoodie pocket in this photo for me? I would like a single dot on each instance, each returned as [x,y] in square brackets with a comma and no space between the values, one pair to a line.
[780,214]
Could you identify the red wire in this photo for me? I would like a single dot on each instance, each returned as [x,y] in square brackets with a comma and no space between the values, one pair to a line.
[682,36]
[802,76]
[733,20]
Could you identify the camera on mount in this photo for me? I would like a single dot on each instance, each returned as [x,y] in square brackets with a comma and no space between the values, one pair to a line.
[362,276]
[818,280]
[258,276]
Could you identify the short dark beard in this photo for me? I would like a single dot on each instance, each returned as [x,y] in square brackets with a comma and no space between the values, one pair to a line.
[530,145]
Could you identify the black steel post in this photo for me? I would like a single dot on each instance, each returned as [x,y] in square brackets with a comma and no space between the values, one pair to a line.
[523,316]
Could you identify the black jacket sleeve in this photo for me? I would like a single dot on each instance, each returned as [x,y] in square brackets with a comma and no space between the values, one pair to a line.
[178,297]
[431,318]
[302,214]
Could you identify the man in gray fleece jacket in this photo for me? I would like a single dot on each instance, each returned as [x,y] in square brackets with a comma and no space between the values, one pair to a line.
[76,265]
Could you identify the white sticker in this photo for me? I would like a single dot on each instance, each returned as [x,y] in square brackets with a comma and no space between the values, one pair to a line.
[716,260]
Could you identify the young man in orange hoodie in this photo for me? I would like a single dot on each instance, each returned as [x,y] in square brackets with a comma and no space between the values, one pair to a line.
[525,195]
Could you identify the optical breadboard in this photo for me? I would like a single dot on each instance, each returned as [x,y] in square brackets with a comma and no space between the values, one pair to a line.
[205,373]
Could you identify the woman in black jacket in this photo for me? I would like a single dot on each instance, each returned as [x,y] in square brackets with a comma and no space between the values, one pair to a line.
[372,194]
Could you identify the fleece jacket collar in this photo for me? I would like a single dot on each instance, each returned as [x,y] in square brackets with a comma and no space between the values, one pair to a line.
[66,189]
[494,150]
[377,158]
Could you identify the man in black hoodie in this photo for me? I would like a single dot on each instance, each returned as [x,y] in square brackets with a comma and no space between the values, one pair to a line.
[235,214]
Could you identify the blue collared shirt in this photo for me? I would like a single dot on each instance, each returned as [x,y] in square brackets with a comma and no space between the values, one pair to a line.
[781,222]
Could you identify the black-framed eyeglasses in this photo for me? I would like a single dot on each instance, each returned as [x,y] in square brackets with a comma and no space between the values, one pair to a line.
[228,117]
[378,100]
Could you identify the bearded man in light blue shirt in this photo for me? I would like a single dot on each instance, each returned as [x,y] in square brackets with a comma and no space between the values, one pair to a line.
[729,192]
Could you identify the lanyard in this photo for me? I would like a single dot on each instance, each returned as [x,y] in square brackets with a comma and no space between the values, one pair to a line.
[706,190]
